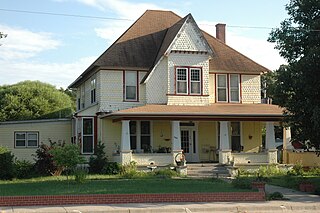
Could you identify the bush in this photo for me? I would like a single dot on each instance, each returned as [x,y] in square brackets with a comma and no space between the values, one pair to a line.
[269,171]
[6,164]
[98,163]
[80,175]
[275,196]
[166,173]
[44,163]
[111,168]
[129,170]
[242,183]
[296,170]
[23,169]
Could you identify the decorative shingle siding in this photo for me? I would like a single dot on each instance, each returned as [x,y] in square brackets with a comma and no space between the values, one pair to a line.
[194,60]
[250,88]
[189,39]
[157,84]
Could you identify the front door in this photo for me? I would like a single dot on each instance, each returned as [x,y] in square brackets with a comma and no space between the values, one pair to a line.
[189,144]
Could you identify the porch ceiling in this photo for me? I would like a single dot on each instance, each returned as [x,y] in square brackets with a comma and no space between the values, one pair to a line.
[219,112]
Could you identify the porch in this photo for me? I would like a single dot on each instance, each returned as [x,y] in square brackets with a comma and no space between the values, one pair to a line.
[157,138]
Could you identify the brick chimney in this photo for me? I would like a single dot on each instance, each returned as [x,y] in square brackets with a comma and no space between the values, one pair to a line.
[221,32]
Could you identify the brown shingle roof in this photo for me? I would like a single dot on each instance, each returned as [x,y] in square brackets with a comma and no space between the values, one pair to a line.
[213,111]
[143,44]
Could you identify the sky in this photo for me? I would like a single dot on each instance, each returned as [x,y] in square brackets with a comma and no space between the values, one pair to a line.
[56,48]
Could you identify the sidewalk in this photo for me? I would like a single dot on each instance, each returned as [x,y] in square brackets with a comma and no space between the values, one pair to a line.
[299,202]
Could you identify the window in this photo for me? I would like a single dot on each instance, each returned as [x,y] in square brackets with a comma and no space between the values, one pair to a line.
[26,139]
[228,87]
[131,82]
[222,88]
[182,83]
[234,88]
[87,135]
[195,81]
[235,136]
[82,92]
[79,103]
[188,81]
[140,135]
[93,90]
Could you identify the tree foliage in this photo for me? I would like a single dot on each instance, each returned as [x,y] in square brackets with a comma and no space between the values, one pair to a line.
[33,100]
[296,85]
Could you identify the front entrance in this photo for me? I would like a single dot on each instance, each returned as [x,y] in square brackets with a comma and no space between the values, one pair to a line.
[189,143]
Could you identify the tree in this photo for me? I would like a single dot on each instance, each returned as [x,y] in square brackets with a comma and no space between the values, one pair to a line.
[297,85]
[33,100]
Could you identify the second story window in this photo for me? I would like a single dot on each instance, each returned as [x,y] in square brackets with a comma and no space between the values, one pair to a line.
[228,88]
[188,81]
[82,92]
[222,88]
[93,90]
[131,86]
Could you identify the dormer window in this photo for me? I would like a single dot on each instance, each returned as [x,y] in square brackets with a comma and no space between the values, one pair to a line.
[131,86]
[188,81]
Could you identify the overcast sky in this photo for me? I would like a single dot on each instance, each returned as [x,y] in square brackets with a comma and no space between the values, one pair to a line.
[57,49]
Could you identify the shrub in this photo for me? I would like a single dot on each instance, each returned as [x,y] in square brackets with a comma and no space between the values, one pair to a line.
[242,183]
[296,170]
[98,163]
[166,173]
[80,175]
[6,164]
[111,168]
[129,170]
[44,163]
[23,169]
[269,171]
[275,196]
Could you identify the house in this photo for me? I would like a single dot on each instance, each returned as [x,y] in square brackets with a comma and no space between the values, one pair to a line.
[23,138]
[165,87]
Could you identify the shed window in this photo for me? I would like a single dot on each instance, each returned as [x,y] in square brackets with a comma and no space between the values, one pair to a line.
[26,139]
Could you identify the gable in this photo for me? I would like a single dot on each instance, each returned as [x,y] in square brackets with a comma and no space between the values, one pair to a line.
[189,38]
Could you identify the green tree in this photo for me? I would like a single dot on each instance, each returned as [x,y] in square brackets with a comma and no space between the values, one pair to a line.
[33,100]
[297,86]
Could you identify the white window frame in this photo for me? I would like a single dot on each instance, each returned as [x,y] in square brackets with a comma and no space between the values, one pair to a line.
[125,85]
[83,135]
[93,95]
[233,88]
[26,140]
[187,78]
[191,81]
[226,87]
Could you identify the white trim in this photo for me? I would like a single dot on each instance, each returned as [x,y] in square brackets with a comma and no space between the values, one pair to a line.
[26,140]
[136,85]
[200,80]
[194,156]
[82,135]
[187,78]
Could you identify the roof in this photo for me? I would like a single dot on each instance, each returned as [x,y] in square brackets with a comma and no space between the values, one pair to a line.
[143,44]
[36,121]
[255,112]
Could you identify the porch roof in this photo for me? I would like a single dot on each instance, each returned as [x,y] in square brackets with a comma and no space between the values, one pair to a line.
[222,112]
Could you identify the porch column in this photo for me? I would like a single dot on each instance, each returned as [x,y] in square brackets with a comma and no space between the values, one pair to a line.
[176,139]
[271,143]
[225,151]
[287,146]
[125,152]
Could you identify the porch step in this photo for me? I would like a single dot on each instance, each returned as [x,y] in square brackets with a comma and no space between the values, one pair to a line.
[207,170]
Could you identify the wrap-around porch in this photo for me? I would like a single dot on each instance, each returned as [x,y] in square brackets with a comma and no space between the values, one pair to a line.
[227,133]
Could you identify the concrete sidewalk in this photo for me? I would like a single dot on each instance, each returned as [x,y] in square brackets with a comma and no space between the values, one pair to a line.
[299,202]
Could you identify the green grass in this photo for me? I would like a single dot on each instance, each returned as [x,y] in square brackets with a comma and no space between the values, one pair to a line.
[293,181]
[107,185]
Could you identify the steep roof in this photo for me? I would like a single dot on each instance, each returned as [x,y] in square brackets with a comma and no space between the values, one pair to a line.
[142,45]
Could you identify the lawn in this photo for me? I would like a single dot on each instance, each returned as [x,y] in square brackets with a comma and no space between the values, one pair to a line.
[107,185]
[293,181]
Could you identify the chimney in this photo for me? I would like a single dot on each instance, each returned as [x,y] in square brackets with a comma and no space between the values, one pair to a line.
[221,32]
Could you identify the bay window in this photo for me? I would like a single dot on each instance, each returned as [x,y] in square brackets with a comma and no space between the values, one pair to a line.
[188,81]
[131,86]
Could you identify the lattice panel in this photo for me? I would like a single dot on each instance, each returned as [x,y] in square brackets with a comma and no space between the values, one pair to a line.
[251,92]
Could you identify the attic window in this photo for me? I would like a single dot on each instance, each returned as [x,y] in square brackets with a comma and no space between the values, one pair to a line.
[188,81]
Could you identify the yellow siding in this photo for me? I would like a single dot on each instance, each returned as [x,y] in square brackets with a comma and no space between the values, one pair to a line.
[211,88]
[307,159]
[110,135]
[161,134]
[57,131]
[251,144]
[207,137]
